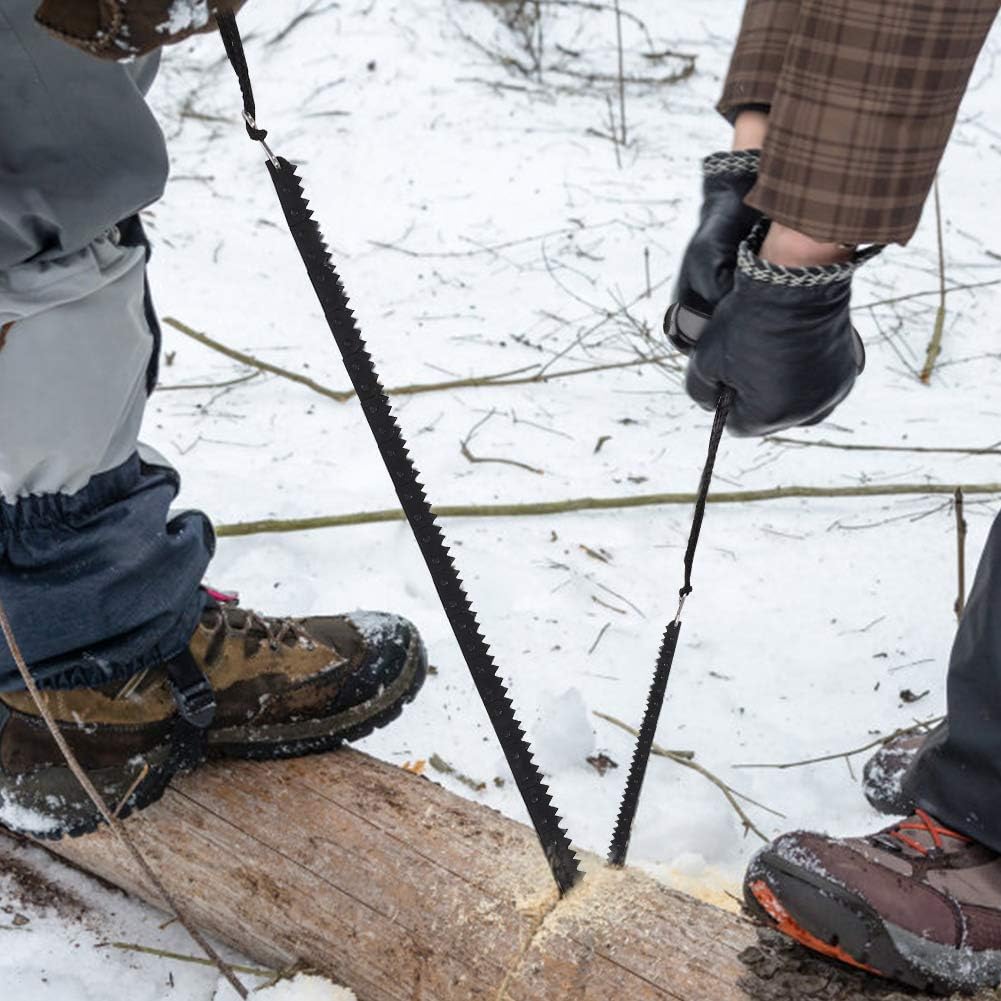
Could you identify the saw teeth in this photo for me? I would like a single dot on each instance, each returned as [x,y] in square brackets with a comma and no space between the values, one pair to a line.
[396,455]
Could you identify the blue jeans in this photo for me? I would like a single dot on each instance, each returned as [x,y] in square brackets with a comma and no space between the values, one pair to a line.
[99,580]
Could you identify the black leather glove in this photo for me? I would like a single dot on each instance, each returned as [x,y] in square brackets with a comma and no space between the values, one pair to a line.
[783,340]
[711,256]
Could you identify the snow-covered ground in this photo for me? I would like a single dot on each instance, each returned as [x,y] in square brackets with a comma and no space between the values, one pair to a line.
[482,225]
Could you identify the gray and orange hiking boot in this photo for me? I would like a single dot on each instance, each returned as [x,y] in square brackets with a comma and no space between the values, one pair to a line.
[917,902]
[883,774]
[246,687]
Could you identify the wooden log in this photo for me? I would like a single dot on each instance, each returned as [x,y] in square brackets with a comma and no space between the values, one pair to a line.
[403,891]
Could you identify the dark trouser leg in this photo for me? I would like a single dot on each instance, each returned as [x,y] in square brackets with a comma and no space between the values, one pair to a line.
[957,776]
[98,581]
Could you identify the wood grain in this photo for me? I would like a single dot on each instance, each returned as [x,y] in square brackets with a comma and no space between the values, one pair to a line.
[405,892]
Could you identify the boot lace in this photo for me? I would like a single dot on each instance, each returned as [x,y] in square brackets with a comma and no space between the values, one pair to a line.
[926,823]
[256,631]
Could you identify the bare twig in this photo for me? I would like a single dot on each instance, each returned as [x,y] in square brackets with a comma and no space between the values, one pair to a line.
[960,554]
[510,377]
[339,395]
[539,40]
[208,385]
[622,74]
[852,447]
[931,291]
[124,838]
[612,134]
[921,726]
[648,81]
[298,19]
[935,344]
[729,792]
[470,457]
[594,646]
[573,504]
[439,764]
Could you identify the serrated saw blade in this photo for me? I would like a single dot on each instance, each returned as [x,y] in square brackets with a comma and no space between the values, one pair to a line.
[393,448]
[644,744]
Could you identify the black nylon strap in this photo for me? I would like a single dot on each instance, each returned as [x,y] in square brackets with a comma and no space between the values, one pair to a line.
[234,49]
[719,423]
[196,708]
[191,690]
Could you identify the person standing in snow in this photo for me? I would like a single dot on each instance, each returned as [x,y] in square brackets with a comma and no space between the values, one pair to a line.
[146,671]
[841,112]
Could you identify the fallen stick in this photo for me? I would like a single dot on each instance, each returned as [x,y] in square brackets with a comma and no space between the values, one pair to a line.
[512,377]
[573,504]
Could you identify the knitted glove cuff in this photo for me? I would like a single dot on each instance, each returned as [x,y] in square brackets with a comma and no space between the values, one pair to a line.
[733,162]
[750,264]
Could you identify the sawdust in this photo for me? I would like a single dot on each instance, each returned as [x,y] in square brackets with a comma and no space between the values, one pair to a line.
[780,970]
[594,898]
[708,884]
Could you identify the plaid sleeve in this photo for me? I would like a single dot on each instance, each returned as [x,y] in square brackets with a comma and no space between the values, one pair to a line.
[861,112]
[757,59]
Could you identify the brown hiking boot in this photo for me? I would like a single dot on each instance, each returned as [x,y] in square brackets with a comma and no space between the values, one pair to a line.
[248,687]
[917,902]
[883,774]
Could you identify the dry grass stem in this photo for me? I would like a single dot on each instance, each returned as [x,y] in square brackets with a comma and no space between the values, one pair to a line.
[253,971]
[573,504]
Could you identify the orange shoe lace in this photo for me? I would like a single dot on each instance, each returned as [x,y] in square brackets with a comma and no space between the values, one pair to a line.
[927,823]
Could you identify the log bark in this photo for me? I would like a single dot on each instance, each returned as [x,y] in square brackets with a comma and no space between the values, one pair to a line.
[404,892]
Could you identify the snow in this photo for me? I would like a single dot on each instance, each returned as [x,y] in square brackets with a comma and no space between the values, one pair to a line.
[565,731]
[22,818]
[482,226]
[302,987]
[184,15]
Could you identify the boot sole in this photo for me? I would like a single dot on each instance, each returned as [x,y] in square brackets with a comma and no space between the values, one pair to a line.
[87,821]
[295,740]
[834,922]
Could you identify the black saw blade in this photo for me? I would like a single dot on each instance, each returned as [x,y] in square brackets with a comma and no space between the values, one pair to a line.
[375,404]
[662,673]
[644,744]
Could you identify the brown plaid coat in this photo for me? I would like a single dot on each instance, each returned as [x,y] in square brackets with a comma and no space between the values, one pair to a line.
[863,96]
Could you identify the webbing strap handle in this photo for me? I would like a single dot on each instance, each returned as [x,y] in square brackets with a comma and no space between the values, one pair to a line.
[234,49]
[726,398]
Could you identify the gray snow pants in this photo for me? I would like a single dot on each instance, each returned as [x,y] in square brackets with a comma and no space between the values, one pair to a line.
[98,579]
